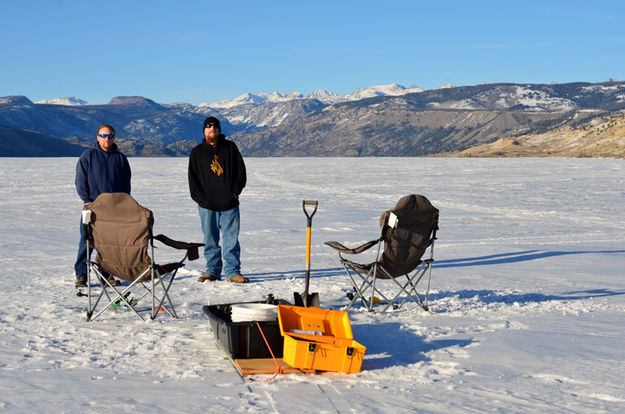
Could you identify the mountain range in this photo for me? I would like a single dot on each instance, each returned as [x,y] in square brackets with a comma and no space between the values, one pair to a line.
[319,95]
[384,120]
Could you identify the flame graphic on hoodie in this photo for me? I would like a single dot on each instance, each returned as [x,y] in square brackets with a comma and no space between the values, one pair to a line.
[216,166]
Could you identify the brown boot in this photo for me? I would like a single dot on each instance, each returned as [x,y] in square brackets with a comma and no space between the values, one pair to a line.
[238,279]
[208,276]
[114,282]
[111,280]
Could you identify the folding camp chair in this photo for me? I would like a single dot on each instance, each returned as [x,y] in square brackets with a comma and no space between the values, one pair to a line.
[408,230]
[120,229]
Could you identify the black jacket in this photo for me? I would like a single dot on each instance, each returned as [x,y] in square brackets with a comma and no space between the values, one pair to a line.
[216,175]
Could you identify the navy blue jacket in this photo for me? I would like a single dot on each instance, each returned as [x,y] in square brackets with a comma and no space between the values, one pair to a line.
[100,171]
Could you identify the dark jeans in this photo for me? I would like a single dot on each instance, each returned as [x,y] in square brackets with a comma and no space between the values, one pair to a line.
[80,267]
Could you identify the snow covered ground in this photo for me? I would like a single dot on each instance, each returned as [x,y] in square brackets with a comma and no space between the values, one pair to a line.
[527,310]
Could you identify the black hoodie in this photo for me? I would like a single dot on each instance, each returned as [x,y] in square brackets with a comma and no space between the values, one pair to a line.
[216,174]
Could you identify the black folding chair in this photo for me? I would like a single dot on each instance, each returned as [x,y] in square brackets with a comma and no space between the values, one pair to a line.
[407,231]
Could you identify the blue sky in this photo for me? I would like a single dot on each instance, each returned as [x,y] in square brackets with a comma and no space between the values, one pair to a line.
[206,51]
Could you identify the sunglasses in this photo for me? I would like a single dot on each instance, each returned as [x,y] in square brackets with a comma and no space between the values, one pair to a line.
[211,126]
[109,136]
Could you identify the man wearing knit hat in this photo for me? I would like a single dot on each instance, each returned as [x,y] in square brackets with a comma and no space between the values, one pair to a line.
[216,178]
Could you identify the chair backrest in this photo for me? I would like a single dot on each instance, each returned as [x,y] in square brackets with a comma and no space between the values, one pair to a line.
[415,230]
[121,230]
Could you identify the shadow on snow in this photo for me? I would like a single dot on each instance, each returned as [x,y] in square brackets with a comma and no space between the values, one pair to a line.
[512,257]
[487,296]
[406,347]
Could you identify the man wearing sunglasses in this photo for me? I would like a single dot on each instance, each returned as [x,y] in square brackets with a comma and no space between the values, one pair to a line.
[101,169]
[216,178]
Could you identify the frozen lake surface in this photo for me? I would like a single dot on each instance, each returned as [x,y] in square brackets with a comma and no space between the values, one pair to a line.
[527,304]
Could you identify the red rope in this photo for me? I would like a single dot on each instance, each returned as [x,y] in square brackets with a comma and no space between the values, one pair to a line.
[278,366]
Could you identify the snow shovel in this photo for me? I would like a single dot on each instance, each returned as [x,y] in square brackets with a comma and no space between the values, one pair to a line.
[305,299]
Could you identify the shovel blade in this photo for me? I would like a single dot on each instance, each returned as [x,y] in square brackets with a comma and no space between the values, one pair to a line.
[306,300]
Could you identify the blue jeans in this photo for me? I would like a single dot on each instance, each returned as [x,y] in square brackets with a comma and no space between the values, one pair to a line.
[228,223]
[80,267]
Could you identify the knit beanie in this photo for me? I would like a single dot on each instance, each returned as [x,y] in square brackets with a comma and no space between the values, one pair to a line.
[211,120]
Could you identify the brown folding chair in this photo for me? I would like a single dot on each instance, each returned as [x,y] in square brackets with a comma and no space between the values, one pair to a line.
[120,230]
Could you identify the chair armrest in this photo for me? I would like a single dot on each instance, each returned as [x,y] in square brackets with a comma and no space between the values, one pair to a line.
[342,249]
[191,248]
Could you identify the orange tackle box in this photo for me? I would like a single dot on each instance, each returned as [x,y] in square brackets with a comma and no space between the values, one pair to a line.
[319,339]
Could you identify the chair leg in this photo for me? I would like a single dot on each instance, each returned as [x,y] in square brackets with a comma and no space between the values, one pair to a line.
[160,299]
[121,298]
[424,305]
[366,287]
[93,268]
[151,288]
[357,295]
[412,292]
[366,290]
[118,296]
[165,295]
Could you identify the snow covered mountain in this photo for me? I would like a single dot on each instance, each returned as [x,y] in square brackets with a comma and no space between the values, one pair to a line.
[321,95]
[324,96]
[269,114]
[247,99]
[250,98]
[251,111]
[446,86]
[381,90]
[15,101]
[68,100]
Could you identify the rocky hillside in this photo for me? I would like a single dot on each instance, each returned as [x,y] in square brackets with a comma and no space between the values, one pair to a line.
[434,121]
[19,143]
[395,128]
[133,148]
[134,118]
[598,138]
